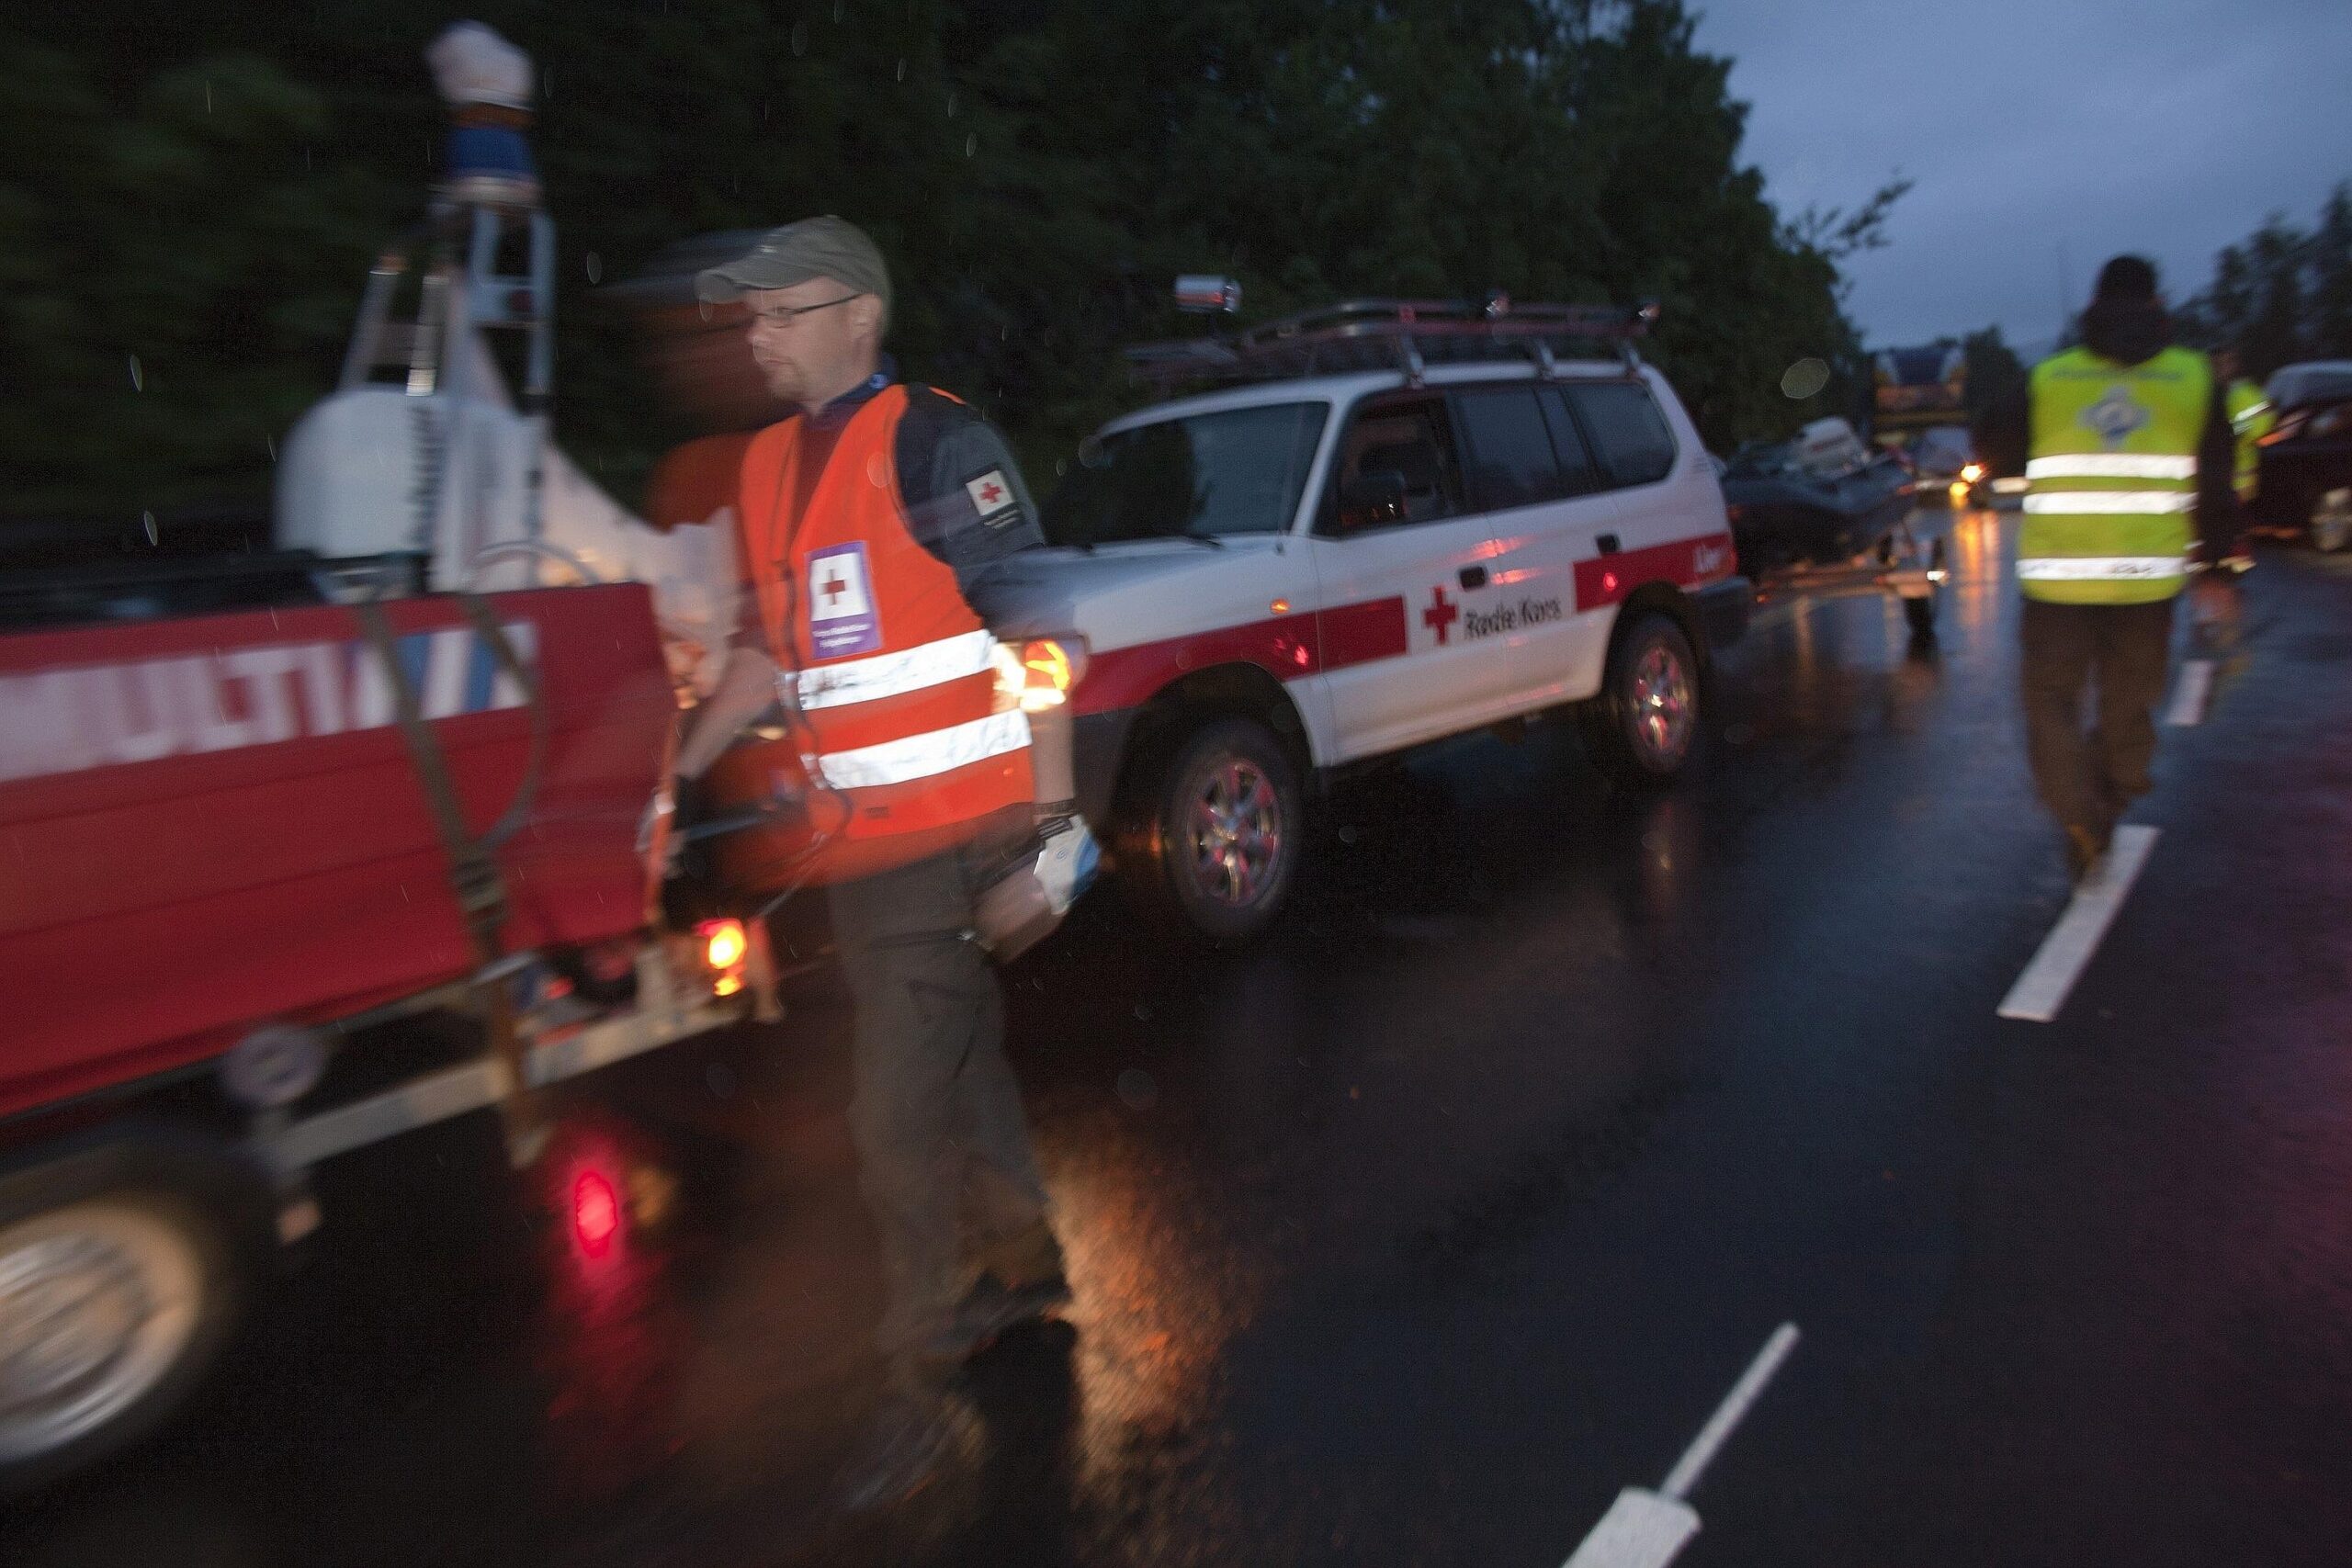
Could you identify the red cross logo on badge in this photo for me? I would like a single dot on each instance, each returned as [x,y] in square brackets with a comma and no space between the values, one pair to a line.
[990,494]
[1441,614]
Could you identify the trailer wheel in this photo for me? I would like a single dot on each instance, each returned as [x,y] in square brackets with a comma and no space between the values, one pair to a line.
[116,1297]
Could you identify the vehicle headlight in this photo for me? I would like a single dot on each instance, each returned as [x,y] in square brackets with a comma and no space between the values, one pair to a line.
[1038,673]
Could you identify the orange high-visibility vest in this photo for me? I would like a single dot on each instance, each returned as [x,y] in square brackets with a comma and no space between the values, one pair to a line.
[904,741]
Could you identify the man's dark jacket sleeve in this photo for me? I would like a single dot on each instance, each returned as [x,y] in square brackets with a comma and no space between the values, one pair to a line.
[964,492]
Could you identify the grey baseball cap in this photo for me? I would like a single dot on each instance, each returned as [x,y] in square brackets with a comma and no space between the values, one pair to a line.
[814,247]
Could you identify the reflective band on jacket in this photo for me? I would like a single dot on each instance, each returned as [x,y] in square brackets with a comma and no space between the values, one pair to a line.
[2081,569]
[894,674]
[2110,466]
[2249,414]
[927,755]
[2112,502]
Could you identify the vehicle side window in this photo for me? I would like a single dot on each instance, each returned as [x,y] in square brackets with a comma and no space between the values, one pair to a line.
[1637,447]
[1579,471]
[1510,459]
[1411,440]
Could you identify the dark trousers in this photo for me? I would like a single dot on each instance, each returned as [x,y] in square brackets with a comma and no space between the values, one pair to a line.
[2120,654]
[942,1147]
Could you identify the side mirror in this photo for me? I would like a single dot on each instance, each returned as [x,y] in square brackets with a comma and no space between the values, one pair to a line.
[1371,500]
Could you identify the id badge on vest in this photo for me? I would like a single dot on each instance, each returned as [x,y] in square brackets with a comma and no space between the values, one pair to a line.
[842,619]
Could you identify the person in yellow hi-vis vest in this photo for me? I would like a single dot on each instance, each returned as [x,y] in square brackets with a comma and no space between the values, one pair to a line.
[2251,418]
[2128,498]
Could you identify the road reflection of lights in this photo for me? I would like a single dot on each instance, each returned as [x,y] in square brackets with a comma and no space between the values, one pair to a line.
[1670,842]
[1158,1297]
[607,1339]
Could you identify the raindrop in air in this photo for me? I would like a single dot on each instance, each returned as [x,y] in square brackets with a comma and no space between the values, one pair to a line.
[1137,1087]
[837,10]
[902,68]
[971,144]
[272,442]
[595,267]
[138,375]
[149,519]
[207,97]
[800,37]
[1803,379]
[951,106]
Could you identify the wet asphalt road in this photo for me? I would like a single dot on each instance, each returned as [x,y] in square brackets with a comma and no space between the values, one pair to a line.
[1414,1233]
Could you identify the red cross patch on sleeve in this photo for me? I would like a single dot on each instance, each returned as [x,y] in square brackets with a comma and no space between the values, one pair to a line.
[991,494]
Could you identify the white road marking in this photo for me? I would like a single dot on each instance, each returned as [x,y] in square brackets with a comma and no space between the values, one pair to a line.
[1645,1529]
[2188,696]
[1685,1475]
[2041,990]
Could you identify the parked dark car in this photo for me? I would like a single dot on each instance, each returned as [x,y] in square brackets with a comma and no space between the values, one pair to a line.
[1788,511]
[2305,480]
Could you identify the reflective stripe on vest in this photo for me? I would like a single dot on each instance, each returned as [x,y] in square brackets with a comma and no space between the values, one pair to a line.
[906,743]
[2088,569]
[2101,503]
[2110,465]
[2111,477]
[925,756]
[896,674]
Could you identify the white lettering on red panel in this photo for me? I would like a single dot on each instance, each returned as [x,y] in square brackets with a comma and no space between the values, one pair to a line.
[97,716]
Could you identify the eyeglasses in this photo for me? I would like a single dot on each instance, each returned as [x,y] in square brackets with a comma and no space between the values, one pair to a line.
[785,315]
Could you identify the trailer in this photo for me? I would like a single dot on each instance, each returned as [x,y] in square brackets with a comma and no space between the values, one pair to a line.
[227,867]
[304,848]
[1826,517]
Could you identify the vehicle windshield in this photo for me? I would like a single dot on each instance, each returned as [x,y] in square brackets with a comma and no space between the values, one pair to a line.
[1238,471]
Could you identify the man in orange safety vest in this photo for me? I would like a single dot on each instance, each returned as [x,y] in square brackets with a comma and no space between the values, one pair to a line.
[870,520]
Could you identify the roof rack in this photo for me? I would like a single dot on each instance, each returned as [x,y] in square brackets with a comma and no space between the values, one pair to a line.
[1393,335]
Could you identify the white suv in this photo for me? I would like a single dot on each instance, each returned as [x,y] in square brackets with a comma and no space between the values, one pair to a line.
[1303,570]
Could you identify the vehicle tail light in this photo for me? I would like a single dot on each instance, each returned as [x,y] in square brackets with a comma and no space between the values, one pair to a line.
[726,948]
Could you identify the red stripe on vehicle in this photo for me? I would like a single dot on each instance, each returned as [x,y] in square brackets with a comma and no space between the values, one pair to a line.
[1684,563]
[1358,634]
[1285,647]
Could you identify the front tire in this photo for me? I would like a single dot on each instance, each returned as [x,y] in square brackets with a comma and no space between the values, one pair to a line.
[1211,840]
[1644,726]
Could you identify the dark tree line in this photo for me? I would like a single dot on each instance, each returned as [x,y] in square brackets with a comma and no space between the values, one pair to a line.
[2283,294]
[188,198]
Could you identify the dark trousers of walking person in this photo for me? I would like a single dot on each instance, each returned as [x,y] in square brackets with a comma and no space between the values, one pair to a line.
[943,1146]
[2118,656]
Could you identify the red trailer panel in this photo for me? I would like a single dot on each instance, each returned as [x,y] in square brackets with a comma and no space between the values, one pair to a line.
[210,822]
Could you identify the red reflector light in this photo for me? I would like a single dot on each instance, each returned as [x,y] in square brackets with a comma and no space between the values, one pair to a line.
[595,1213]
